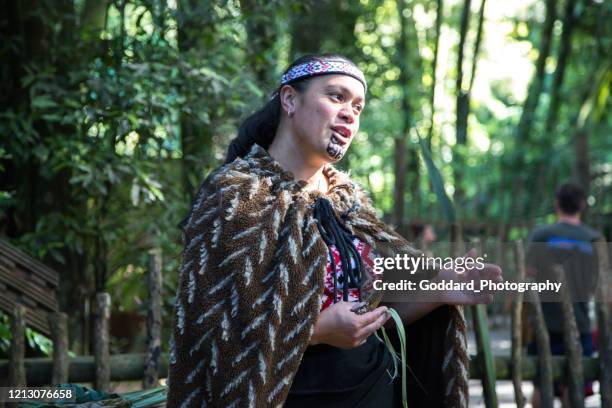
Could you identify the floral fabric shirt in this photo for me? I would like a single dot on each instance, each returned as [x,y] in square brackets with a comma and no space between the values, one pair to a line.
[367,257]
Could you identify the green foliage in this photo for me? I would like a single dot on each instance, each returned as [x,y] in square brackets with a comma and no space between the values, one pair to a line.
[111,110]
[437,183]
[39,342]
[5,334]
[36,341]
[91,147]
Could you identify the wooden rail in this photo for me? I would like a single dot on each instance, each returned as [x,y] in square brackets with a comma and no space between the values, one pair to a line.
[130,367]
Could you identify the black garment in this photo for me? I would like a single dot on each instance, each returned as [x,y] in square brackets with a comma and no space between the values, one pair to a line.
[333,377]
[424,380]
[570,246]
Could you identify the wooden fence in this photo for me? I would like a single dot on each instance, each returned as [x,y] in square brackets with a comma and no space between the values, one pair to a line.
[102,368]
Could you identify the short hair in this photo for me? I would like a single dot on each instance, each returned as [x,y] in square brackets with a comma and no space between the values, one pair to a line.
[417,228]
[571,198]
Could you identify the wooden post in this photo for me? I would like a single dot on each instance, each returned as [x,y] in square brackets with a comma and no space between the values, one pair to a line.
[154,321]
[485,357]
[481,330]
[17,373]
[101,347]
[571,341]
[457,248]
[501,238]
[517,323]
[544,357]
[58,323]
[603,302]
[86,323]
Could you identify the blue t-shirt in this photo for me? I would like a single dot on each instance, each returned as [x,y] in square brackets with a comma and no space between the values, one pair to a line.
[572,247]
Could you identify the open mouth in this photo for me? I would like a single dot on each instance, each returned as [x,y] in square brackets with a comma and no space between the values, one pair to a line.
[338,138]
[342,131]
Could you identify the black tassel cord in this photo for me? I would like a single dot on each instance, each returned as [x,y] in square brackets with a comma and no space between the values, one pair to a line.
[335,233]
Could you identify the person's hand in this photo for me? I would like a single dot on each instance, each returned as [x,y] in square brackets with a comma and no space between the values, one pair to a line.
[339,326]
[467,297]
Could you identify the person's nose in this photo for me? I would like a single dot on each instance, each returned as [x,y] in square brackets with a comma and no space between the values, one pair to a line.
[346,113]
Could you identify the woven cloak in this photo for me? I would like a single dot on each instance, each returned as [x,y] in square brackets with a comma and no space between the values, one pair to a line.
[250,284]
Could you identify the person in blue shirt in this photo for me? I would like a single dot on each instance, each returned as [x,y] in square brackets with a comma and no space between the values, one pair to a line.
[568,242]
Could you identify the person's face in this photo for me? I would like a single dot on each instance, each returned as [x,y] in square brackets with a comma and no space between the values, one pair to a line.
[429,235]
[326,117]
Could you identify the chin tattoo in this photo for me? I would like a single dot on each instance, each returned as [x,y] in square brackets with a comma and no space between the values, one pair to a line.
[334,149]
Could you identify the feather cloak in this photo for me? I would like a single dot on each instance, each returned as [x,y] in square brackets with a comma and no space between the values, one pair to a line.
[250,283]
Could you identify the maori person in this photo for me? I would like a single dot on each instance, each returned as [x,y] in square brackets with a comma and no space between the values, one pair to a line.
[271,306]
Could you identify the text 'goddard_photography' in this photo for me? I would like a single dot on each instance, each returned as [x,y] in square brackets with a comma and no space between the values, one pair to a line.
[315,203]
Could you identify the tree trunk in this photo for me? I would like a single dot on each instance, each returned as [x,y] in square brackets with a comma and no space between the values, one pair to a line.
[477,42]
[196,33]
[565,47]
[595,87]
[310,28]
[525,125]
[463,95]
[523,131]
[261,31]
[400,181]
[405,157]
[434,67]
[400,166]
[93,17]
[581,165]
[462,109]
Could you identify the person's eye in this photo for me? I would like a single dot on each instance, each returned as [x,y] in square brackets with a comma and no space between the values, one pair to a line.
[359,108]
[338,96]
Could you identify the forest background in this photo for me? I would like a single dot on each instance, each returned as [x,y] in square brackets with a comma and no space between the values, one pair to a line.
[113,111]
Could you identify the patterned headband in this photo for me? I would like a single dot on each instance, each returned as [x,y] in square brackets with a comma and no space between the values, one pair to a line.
[322,67]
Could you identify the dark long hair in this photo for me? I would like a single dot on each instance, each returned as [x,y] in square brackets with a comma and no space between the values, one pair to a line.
[261,126]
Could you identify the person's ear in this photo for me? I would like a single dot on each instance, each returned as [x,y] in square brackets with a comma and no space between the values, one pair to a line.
[288,99]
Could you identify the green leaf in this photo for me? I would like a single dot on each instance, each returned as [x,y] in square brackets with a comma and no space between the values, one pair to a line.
[254,89]
[51,117]
[437,182]
[43,102]
[213,75]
